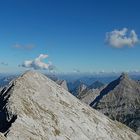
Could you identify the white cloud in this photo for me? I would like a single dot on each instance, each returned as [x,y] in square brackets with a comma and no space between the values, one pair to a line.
[26,47]
[122,38]
[38,63]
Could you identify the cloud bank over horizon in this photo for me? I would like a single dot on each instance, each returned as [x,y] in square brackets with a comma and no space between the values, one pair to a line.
[122,38]
[38,63]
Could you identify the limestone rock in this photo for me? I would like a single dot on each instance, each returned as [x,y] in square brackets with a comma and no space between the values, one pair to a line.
[34,107]
[120,100]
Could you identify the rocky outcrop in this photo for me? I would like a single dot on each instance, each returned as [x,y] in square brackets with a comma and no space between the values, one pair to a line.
[90,92]
[87,96]
[120,100]
[6,117]
[78,90]
[37,108]
[63,84]
[73,86]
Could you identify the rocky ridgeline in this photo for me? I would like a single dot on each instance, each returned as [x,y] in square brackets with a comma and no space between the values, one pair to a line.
[34,107]
[89,93]
[120,100]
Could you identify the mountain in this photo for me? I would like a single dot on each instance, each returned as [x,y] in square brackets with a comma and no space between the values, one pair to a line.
[6,79]
[96,85]
[90,92]
[62,83]
[35,107]
[79,89]
[52,77]
[74,84]
[87,96]
[120,100]
[88,80]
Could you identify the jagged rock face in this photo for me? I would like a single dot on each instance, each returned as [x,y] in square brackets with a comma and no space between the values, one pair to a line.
[90,92]
[43,110]
[120,100]
[87,93]
[79,89]
[63,84]
[72,86]
[87,96]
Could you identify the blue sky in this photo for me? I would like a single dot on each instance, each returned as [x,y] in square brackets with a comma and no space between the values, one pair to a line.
[71,32]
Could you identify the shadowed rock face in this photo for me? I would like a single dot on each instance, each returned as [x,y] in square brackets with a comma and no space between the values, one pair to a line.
[6,117]
[46,111]
[120,100]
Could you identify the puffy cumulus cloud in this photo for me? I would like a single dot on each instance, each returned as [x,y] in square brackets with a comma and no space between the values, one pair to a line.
[122,38]
[38,63]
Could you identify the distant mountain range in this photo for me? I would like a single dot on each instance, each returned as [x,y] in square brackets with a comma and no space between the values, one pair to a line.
[33,107]
[4,80]
[96,85]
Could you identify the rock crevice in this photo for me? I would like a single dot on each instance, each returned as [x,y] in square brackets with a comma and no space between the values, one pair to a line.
[6,117]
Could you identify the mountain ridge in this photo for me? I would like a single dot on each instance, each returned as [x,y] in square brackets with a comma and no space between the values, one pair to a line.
[120,100]
[46,111]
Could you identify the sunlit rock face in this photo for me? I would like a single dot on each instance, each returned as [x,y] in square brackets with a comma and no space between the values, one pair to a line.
[88,93]
[34,107]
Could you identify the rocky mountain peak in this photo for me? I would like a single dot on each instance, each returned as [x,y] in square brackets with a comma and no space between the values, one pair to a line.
[120,100]
[124,76]
[82,87]
[35,107]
